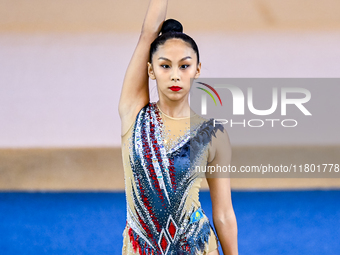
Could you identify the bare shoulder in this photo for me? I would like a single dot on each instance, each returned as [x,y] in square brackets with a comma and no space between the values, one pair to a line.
[220,145]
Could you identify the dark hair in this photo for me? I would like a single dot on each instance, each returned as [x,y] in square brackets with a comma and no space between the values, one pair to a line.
[172,29]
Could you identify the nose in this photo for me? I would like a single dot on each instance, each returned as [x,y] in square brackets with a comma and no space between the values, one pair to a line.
[175,75]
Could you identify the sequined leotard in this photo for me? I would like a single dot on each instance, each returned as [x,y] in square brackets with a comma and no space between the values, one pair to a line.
[164,215]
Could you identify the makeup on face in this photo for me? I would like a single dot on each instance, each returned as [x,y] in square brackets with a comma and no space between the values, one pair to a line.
[175,88]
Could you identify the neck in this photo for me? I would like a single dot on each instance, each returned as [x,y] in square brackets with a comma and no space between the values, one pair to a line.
[175,109]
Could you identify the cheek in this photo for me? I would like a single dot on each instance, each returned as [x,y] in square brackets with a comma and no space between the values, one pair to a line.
[190,73]
[161,72]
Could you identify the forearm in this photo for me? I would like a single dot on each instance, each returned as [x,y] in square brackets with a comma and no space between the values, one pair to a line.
[226,229]
[154,17]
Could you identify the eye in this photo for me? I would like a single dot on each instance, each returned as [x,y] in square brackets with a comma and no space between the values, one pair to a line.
[165,66]
[184,66]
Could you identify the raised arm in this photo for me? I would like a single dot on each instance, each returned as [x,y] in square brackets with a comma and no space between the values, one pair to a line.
[135,90]
[223,213]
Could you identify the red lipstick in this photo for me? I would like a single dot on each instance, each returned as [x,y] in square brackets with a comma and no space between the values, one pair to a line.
[175,88]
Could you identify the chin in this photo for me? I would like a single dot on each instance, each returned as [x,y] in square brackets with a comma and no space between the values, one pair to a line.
[176,97]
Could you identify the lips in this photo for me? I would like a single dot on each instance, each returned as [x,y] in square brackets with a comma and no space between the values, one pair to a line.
[175,88]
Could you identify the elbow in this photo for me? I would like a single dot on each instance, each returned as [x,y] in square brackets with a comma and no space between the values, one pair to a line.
[226,223]
[225,219]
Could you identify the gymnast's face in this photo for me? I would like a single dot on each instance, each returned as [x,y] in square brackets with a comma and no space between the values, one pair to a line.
[174,64]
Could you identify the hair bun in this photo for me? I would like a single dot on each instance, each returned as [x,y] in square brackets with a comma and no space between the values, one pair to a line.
[171,25]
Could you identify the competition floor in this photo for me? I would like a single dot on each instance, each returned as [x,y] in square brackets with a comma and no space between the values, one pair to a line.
[269,222]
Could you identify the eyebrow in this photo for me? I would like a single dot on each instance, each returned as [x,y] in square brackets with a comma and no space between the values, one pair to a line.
[170,60]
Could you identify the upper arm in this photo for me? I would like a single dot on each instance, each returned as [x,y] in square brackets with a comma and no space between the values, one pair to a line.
[135,90]
[219,185]
[220,149]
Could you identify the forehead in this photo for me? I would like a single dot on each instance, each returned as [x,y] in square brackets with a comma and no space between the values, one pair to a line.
[175,49]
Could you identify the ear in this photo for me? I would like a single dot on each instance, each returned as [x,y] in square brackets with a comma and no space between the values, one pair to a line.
[198,71]
[151,72]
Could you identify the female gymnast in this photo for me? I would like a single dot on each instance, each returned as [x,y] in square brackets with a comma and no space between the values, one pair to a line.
[162,142]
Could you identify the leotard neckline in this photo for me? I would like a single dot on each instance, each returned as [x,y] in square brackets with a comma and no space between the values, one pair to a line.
[174,118]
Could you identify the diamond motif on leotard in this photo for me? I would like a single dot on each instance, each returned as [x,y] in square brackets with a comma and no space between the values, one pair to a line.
[171,228]
[164,243]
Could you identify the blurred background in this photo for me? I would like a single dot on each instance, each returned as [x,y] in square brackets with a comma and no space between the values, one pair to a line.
[62,65]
